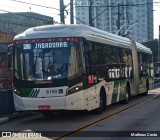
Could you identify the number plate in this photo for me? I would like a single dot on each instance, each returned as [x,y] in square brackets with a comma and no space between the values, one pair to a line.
[44,107]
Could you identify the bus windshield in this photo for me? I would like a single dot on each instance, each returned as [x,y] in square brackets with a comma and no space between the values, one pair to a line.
[46,61]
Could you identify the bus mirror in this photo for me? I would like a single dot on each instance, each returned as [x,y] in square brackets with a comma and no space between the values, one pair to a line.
[9,60]
[10,48]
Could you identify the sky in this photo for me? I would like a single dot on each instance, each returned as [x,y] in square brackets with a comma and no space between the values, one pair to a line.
[13,6]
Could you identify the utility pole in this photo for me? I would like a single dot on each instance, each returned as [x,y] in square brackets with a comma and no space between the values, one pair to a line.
[71,12]
[90,13]
[118,21]
[62,12]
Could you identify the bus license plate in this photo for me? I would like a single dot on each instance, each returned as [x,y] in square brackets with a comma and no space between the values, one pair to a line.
[44,107]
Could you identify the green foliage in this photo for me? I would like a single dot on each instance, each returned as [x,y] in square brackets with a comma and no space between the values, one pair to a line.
[153,45]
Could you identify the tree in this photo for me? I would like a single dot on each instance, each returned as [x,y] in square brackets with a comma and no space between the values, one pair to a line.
[153,45]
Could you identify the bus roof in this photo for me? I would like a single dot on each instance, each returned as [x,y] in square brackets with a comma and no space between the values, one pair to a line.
[78,30]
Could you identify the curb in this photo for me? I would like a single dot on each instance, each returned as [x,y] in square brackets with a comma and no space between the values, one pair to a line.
[13,116]
[4,119]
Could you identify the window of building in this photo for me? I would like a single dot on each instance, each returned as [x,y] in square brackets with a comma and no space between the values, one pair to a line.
[83,18]
[99,24]
[78,13]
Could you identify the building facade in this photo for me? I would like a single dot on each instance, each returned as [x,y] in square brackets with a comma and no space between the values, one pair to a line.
[12,24]
[131,18]
[18,22]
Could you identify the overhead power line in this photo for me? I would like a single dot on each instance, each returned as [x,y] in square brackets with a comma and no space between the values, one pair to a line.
[138,4]
[47,7]
[112,5]
[104,10]
[77,17]
[157,4]
[35,4]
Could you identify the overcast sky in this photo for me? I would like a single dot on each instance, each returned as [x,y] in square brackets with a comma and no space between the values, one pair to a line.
[13,6]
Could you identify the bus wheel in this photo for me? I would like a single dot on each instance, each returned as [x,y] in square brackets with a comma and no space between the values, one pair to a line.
[147,87]
[102,106]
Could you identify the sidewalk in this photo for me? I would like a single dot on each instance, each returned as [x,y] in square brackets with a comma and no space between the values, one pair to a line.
[13,116]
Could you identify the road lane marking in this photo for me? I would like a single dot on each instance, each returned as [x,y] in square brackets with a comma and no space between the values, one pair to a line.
[104,118]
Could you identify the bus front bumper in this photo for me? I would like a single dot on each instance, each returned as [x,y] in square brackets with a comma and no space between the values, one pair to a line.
[71,102]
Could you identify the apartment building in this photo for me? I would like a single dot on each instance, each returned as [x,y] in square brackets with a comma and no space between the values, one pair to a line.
[131,18]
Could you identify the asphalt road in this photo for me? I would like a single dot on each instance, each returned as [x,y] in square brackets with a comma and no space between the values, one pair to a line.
[142,120]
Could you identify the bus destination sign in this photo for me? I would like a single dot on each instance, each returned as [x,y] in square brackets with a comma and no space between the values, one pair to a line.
[45,45]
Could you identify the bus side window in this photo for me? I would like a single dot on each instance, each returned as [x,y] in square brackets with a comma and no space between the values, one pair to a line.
[90,56]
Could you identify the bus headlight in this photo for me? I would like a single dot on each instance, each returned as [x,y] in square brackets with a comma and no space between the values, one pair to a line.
[74,89]
[16,91]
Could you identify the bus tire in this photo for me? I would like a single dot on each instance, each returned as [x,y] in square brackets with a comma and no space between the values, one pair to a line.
[102,100]
[127,95]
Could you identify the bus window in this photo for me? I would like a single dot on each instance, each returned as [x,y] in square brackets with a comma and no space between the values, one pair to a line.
[37,62]
[145,61]
[90,57]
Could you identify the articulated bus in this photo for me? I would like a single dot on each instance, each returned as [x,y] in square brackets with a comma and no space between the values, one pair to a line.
[76,67]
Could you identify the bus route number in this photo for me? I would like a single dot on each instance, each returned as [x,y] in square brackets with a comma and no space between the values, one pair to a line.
[26,46]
